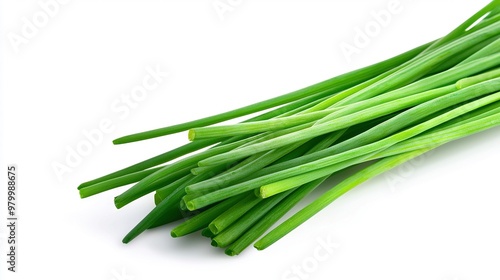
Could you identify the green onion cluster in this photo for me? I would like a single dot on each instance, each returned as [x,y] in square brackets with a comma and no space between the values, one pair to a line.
[378,117]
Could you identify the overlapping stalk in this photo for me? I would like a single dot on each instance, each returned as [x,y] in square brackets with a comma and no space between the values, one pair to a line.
[255,172]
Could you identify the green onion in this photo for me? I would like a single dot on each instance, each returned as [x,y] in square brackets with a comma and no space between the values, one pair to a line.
[331,195]
[202,220]
[334,84]
[230,216]
[251,174]
[229,235]
[268,220]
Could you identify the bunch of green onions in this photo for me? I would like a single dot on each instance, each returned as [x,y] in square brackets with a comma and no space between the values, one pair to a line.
[256,171]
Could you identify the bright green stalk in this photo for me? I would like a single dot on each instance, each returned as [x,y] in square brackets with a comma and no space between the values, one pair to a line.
[465,26]
[279,210]
[433,82]
[115,182]
[456,33]
[145,186]
[480,122]
[482,112]
[425,141]
[202,220]
[227,218]
[467,82]
[493,16]
[149,163]
[153,185]
[256,127]
[255,161]
[438,80]
[335,100]
[259,138]
[185,198]
[489,49]
[215,171]
[169,204]
[473,124]
[346,121]
[228,236]
[446,134]
[192,146]
[470,54]
[330,126]
[165,191]
[213,184]
[247,171]
[373,134]
[425,63]
[318,93]
[313,100]
[253,166]
[348,92]
[170,217]
[290,108]
[275,188]
[327,141]
[376,133]
[329,86]
[364,150]
[200,170]
[331,195]
[154,161]
[271,217]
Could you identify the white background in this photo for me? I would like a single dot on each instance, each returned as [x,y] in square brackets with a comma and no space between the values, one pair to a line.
[441,221]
